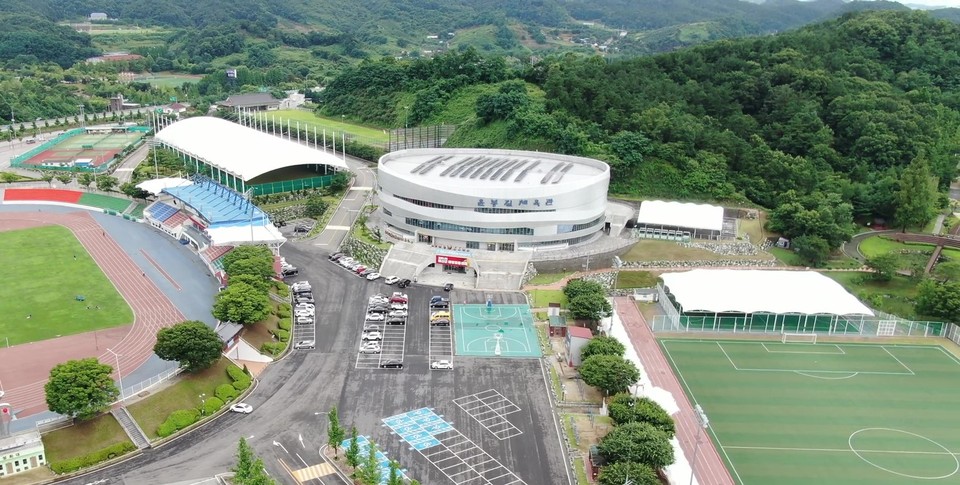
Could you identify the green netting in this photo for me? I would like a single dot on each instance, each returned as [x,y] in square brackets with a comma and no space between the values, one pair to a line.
[104,202]
[768,322]
[291,185]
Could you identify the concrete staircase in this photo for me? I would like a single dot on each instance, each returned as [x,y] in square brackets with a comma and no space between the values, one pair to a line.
[131,427]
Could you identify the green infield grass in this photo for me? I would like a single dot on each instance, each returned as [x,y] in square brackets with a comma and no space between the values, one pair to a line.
[44,270]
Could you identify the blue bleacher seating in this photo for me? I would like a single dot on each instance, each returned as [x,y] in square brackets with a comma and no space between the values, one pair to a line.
[161,212]
[218,204]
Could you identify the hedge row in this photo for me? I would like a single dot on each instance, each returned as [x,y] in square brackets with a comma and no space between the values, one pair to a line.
[212,405]
[283,291]
[285,324]
[282,313]
[240,378]
[176,421]
[226,392]
[272,348]
[282,335]
[110,452]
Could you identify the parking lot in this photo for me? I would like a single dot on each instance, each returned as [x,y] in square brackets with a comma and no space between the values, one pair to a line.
[524,439]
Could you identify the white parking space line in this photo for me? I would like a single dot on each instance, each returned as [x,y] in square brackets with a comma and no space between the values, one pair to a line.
[489,408]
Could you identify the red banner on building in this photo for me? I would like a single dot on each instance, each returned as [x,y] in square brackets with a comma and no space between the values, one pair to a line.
[452,261]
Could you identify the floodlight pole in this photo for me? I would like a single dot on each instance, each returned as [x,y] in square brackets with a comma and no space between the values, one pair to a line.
[119,376]
[704,424]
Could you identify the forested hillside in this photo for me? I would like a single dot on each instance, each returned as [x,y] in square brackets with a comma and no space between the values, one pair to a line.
[818,124]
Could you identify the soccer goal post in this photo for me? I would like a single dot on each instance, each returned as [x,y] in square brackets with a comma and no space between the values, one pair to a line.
[804,338]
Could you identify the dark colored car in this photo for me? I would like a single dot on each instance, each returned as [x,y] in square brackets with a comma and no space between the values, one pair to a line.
[391,364]
[441,322]
[377,309]
[440,305]
[404,283]
[290,272]
[448,287]
[396,321]
[335,256]
[301,229]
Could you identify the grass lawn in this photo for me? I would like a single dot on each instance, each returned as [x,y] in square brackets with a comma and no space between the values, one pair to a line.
[636,279]
[41,279]
[909,254]
[653,250]
[83,438]
[753,228]
[894,296]
[168,79]
[330,124]
[542,298]
[183,394]
[548,278]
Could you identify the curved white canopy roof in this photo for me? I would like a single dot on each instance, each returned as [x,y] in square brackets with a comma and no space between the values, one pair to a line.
[155,186]
[755,291]
[242,151]
[681,214]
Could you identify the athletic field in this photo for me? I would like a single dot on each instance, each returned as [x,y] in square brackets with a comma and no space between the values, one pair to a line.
[41,282]
[803,413]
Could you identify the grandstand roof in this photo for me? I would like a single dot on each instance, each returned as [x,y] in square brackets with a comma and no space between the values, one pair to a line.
[156,186]
[242,151]
[755,291]
[681,214]
[218,204]
[235,235]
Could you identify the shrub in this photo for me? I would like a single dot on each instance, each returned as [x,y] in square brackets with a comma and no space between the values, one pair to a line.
[242,385]
[282,334]
[226,392]
[270,348]
[283,292]
[76,463]
[286,306]
[176,421]
[282,313]
[212,405]
[284,323]
[236,373]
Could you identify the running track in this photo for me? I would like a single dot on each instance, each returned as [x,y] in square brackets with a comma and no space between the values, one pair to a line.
[710,469]
[151,309]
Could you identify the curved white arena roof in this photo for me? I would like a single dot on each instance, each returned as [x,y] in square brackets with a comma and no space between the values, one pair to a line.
[491,172]
[242,151]
[681,214]
[155,186]
[755,291]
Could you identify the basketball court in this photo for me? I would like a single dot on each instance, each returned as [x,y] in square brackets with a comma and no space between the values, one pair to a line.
[495,330]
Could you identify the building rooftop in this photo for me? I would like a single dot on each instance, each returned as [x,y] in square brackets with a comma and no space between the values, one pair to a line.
[20,440]
[492,168]
[251,99]
[680,214]
[579,332]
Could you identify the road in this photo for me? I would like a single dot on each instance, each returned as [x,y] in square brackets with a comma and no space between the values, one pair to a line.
[294,393]
[124,171]
[357,196]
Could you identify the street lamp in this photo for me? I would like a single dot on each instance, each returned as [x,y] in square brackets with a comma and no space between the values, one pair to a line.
[203,402]
[704,424]
[119,376]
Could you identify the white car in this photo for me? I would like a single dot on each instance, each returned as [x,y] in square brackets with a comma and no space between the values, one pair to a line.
[305,315]
[373,336]
[304,306]
[305,344]
[370,348]
[391,280]
[398,306]
[398,313]
[242,408]
[441,364]
[375,317]
[370,327]
[378,301]
[373,276]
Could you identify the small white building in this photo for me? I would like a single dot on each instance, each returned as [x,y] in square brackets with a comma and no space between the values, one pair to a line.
[679,221]
[98,16]
[21,452]
[577,338]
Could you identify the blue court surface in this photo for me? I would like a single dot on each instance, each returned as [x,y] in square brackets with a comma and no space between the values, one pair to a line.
[382,459]
[418,427]
[495,331]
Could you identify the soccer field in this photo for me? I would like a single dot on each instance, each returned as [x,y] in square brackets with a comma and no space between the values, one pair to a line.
[41,279]
[309,120]
[828,412]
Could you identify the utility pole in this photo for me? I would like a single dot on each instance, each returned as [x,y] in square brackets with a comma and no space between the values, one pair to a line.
[119,376]
[704,424]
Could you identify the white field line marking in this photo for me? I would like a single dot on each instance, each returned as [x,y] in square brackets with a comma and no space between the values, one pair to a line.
[802,351]
[724,353]
[898,360]
[842,450]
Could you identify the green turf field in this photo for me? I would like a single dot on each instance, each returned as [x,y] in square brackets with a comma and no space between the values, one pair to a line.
[42,279]
[308,120]
[804,413]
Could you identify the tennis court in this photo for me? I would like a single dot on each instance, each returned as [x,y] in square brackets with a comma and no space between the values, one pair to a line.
[99,149]
[800,413]
[495,331]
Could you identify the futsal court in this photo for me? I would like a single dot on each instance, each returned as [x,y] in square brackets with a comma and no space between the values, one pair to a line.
[495,330]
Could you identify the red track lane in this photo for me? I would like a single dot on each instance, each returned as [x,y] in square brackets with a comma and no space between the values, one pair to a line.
[710,468]
[151,308]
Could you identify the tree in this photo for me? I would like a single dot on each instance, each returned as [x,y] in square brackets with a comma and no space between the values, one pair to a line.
[335,432]
[628,472]
[353,451]
[47,177]
[610,373]
[131,190]
[884,266]
[106,183]
[249,469]
[241,303]
[64,177]
[948,270]
[247,259]
[85,179]
[602,345]
[191,343]
[394,477]
[812,249]
[370,473]
[9,177]
[625,408]
[579,287]
[315,206]
[637,442]
[340,181]
[80,388]
[260,284]
[917,197]
[590,306]
[939,300]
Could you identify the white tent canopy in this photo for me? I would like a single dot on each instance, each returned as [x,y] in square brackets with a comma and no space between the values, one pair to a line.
[680,214]
[244,234]
[237,149]
[756,291]
[155,186]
